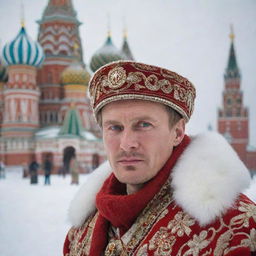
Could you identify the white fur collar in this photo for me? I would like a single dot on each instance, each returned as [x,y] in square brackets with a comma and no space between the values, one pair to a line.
[207,179]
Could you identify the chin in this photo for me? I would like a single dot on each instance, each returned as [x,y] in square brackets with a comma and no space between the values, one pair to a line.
[130,177]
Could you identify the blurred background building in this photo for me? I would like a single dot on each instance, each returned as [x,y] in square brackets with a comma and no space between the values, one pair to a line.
[233,116]
[44,106]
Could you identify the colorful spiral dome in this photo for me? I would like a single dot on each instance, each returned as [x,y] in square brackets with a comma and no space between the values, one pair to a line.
[3,73]
[23,51]
[106,54]
[75,74]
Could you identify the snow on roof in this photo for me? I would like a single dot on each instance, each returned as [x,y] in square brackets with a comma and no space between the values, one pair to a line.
[89,136]
[48,132]
[53,132]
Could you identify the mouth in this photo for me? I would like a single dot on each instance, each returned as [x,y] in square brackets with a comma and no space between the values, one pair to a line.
[129,161]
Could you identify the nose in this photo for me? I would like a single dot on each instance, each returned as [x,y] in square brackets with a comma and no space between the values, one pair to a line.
[128,140]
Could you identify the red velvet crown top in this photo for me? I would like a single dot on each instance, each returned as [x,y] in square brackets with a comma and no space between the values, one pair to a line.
[124,80]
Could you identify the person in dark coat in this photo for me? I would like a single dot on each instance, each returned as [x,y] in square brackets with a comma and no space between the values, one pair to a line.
[47,171]
[2,170]
[33,171]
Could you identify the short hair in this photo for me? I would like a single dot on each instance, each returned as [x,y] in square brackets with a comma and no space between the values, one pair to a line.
[174,116]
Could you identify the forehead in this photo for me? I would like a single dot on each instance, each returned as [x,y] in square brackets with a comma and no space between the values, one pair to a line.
[133,109]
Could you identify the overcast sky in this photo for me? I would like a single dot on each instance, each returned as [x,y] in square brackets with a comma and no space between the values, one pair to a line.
[190,37]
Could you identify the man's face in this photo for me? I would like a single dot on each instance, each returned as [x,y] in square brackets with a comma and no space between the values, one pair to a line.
[138,139]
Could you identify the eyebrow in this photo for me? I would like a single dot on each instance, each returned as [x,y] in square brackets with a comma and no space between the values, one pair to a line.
[110,122]
[139,118]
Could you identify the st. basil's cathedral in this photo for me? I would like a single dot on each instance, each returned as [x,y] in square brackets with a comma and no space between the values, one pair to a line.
[44,106]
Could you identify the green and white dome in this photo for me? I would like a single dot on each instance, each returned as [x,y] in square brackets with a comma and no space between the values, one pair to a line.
[23,51]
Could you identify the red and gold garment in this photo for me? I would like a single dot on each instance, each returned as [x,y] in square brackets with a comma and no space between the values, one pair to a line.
[151,222]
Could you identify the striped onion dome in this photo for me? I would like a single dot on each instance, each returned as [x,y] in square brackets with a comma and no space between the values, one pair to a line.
[3,73]
[75,74]
[106,54]
[23,51]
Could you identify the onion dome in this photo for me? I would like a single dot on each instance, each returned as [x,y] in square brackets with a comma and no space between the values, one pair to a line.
[75,74]
[23,51]
[3,73]
[106,54]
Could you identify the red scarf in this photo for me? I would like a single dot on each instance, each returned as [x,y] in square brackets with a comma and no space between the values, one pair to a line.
[120,209]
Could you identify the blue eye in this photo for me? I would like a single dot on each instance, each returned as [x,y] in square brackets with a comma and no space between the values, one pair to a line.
[144,124]
[115,128]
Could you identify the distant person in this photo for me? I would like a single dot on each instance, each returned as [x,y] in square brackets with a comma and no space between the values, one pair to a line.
[24,170]
[2,170]
[33,171]
[47,166]
[74,170]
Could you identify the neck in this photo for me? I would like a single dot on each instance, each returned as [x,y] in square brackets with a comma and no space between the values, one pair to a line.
[133,188]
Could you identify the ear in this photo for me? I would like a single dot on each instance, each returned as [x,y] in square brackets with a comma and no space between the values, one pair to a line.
[179,129]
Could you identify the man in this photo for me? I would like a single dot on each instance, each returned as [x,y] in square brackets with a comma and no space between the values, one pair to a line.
[2,170]
[163,192]
[47,170]
[74,170]
[33,171]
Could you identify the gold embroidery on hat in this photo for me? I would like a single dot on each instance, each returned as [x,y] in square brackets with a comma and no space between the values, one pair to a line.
[118,81]
[116,77]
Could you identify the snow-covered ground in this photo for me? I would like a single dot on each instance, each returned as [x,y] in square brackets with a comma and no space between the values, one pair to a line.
[34,217]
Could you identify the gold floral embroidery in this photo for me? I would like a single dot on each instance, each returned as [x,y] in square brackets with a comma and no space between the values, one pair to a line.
[251,241]
[223,243]
[118,80]
[162,242]
[150,215]
[143,251]
[248,211]
[166,239]
[116,77]
[127,244]
[80,247]
[181,224]
[115,248]
[197,244]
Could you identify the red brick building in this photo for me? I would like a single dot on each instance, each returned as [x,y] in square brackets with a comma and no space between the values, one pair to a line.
[233,116]
[44,107]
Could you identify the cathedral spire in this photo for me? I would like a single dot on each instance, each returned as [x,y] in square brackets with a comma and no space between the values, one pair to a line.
[232,70]
[22,16]
[109,40]
[125,47]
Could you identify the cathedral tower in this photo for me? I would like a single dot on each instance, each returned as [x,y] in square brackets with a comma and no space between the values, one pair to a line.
[126,48]
[233,116]
[58,34]
[21,97]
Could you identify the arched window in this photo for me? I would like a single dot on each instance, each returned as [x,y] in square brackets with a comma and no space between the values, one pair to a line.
[68,153]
